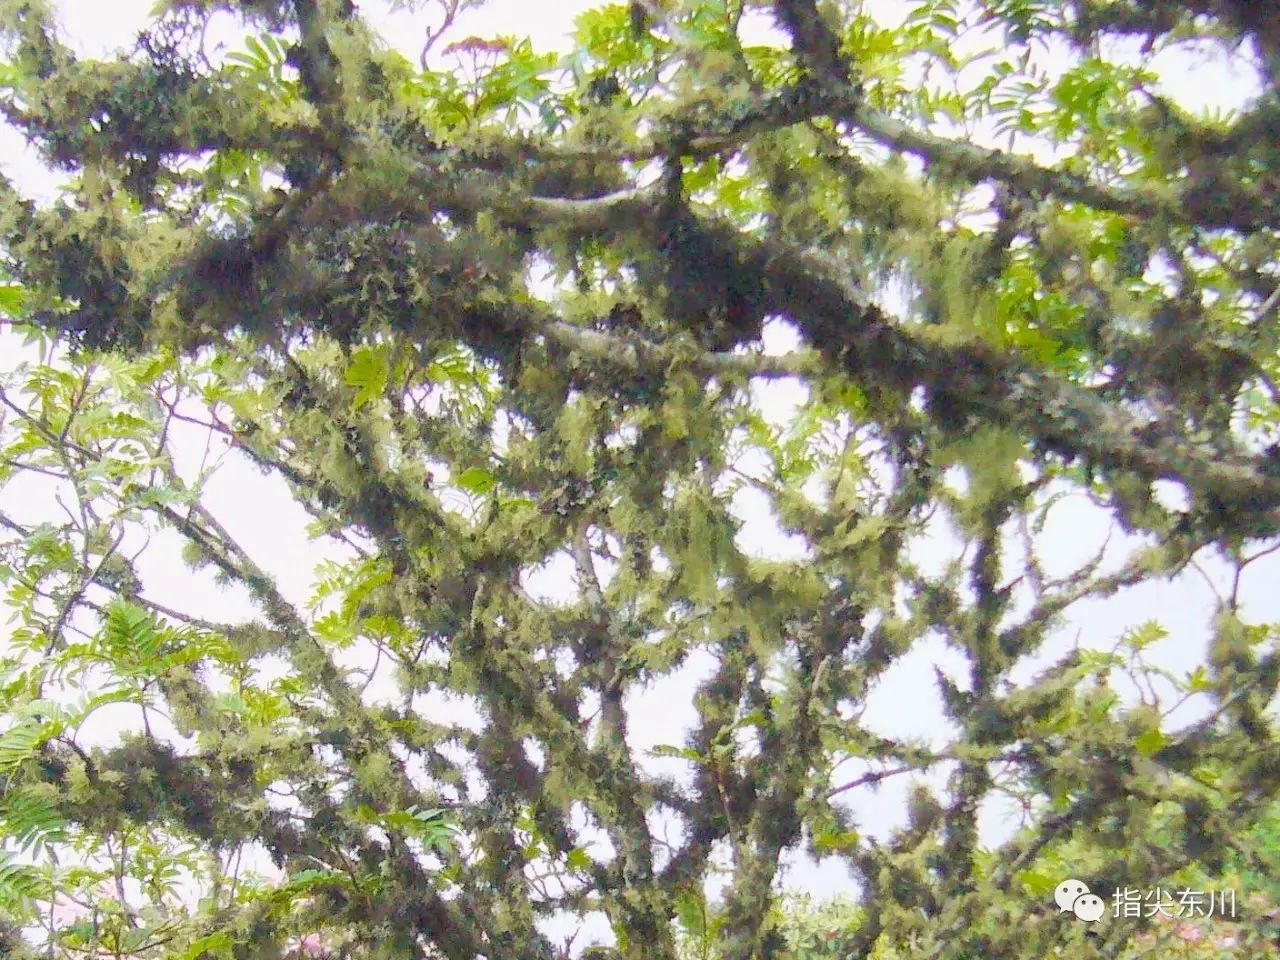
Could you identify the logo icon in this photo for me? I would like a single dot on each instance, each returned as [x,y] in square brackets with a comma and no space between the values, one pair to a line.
[1074,896]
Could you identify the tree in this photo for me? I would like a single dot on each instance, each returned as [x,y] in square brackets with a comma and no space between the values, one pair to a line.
[484,318]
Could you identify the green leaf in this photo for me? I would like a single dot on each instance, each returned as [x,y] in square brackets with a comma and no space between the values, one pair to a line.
[230,703]
[130,633]
[683,753]
[476,480]
[369,373]
[21,743]
[1144,635]
[833,841]
[306,880]
[164,496]
[1150,741]
[30,816]
[79,932]
[214,944]
[13,296]
[432,827]
[20,884]
[691,913]
[10,75]
[1198,680]
[1039,884]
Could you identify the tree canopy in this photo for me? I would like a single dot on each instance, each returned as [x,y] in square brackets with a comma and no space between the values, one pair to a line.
[497,308]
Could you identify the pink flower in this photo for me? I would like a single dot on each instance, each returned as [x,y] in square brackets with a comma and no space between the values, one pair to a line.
[1227,941]
[313,945]
[1188,932]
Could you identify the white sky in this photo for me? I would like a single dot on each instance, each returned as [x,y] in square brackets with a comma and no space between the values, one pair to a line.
[259,512]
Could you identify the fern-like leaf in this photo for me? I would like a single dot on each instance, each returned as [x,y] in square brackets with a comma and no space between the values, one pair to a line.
[20,884]
[130,632]
[30,816]
[20,743]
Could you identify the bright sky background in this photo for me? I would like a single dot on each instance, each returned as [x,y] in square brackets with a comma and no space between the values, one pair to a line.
[260,513]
